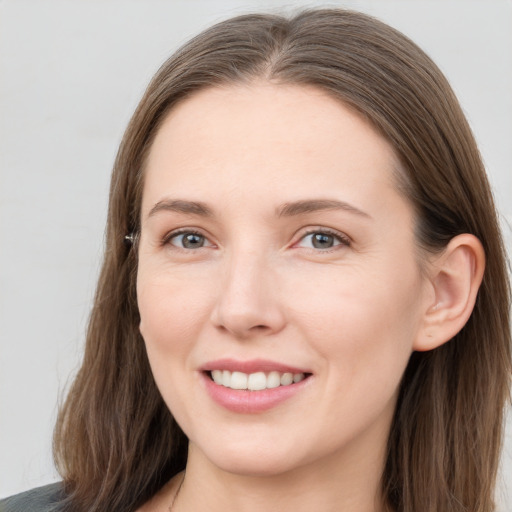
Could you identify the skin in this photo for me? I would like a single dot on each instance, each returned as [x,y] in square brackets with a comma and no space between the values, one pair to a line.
[258,288]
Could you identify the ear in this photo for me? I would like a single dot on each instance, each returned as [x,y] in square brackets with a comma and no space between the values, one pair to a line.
[455,277]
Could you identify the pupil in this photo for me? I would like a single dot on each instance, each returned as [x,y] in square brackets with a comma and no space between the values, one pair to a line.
[322,241]
[192,240]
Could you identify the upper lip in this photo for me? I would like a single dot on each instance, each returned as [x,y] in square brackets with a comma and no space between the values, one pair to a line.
[250,366]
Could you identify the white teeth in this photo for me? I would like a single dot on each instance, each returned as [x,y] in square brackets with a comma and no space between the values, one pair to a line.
[238,380]
[217,376]
[273,380]
[286,379]
[255,381]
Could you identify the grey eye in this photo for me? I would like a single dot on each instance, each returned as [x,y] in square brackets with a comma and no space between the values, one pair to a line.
[189,240]
[322,240]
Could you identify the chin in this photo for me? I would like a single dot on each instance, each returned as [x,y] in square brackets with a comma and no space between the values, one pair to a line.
[255,468]
[244,460]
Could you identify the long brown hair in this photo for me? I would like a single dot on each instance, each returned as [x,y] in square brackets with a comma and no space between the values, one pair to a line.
[116,443]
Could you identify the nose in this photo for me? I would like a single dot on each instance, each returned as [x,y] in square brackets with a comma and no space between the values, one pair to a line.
[248,302]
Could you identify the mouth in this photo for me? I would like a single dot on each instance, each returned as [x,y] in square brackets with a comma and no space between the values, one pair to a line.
[257,381]
[253,386]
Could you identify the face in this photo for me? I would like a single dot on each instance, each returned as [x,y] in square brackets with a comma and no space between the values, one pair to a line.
[278,285]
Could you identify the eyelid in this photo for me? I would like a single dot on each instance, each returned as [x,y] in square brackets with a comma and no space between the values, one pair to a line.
[167,238]
[344,240]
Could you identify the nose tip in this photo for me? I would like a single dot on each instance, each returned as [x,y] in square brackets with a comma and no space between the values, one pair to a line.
[245,315]
[248,304]
[241,326]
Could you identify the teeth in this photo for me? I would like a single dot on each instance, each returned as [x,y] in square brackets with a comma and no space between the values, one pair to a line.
[255,381]
[217,376]
[286,379]
[273,380]
[238,380]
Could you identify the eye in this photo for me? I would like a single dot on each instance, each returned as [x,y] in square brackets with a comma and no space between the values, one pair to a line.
[188,240]
[323,240]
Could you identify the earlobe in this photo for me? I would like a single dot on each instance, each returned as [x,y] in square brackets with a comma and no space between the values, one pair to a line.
[455,277]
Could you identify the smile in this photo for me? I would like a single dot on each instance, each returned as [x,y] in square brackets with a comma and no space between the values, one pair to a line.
[255,381]
[253,386]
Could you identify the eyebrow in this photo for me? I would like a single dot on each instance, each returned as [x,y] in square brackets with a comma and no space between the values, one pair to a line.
[181,206]
[285,210]
[314,205]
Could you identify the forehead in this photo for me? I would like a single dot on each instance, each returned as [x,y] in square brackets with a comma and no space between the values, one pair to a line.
[265,138]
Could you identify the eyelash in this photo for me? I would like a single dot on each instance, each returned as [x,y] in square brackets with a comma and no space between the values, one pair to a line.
[343,240]
[185,231]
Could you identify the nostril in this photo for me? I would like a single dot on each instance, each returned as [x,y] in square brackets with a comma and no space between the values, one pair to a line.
[244,319]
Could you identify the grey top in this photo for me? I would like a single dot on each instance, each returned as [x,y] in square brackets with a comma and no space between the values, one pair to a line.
[40,499]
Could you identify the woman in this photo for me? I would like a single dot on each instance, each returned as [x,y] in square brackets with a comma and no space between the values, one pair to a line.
[304,299]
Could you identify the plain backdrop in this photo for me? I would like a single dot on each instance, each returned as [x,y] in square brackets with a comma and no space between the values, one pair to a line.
[71,73]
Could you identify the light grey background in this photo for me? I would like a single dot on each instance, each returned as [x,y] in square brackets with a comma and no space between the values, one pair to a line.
[71,73]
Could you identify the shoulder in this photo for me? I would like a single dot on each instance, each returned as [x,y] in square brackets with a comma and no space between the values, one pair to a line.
[40,499]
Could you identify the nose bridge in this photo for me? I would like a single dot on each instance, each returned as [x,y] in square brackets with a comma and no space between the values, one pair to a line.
[248,296]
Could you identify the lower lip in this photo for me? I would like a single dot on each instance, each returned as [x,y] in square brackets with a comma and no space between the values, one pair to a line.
[251,402]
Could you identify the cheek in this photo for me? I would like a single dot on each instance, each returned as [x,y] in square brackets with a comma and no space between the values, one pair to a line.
[363,322]
[171,312]
[169,325]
